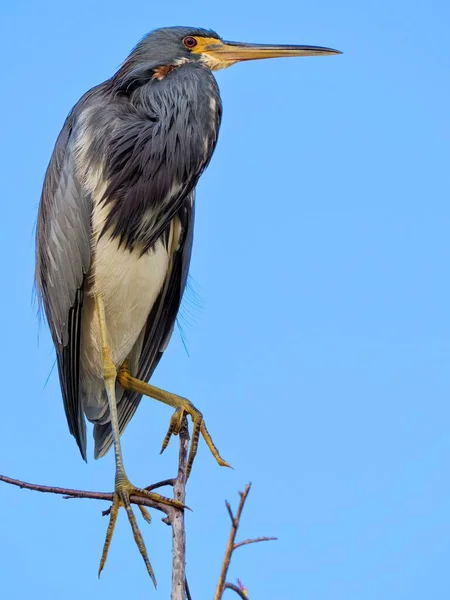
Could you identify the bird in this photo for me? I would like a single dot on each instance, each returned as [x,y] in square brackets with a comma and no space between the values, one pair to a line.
[115,231]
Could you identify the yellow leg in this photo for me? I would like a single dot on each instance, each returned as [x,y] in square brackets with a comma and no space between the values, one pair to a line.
[182,406]
[123,489]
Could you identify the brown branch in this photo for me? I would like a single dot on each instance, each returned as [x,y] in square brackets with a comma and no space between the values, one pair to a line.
[235,588]
[230,512]
[70,493]
[232,545]
[159,484]
[254,541]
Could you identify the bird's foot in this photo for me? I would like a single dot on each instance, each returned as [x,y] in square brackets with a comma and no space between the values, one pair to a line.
[122,494]
[182,408]
[187,408]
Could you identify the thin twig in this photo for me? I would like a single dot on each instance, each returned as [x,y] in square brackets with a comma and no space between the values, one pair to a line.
[253,541]
[235,588]
[188,591]
[159,484]
[230,544]
[230,512]
[107,496]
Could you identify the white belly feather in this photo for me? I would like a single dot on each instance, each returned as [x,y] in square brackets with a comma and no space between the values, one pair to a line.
[129,284]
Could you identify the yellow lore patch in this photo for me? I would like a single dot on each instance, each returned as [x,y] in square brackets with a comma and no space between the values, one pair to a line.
[206,47]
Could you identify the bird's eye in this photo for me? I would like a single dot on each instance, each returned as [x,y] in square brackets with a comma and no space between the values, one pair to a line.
[189,42]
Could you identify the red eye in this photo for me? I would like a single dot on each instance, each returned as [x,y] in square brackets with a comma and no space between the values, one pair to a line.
[189,42]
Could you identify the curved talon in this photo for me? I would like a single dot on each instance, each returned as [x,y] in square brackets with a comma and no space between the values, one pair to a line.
[176,421]
[196,428]
[208,439]
[199,427]
[144,512]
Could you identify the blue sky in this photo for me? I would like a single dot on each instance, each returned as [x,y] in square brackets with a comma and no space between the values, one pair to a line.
[319,344]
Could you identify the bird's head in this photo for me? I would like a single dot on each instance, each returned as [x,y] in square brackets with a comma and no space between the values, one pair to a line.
[172,46]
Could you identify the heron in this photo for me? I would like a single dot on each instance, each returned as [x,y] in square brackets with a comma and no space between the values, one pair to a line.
[114,236]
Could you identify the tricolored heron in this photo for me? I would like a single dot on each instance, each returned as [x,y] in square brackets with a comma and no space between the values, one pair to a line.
[114,234]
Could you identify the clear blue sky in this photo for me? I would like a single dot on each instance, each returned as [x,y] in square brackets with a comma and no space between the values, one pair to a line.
[320,352]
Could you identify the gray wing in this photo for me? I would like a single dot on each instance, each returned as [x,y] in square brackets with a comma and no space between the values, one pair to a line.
[63,254]
[158,329]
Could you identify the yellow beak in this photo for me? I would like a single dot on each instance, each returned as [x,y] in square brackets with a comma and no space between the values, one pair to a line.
[235,51]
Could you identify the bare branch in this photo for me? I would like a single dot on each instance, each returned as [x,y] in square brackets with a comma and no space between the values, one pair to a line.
[235,588]
[174,516]
[179,583]
[70,493]
[254,541]
[230,544]
[230,512]
[159,484]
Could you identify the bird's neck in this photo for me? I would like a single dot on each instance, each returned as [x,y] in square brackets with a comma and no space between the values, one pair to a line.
[160,141]
[132,75]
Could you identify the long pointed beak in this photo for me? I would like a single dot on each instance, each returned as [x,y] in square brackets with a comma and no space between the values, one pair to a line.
[236,51]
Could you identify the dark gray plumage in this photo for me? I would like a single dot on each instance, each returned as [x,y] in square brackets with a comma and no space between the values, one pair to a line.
[147,141]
